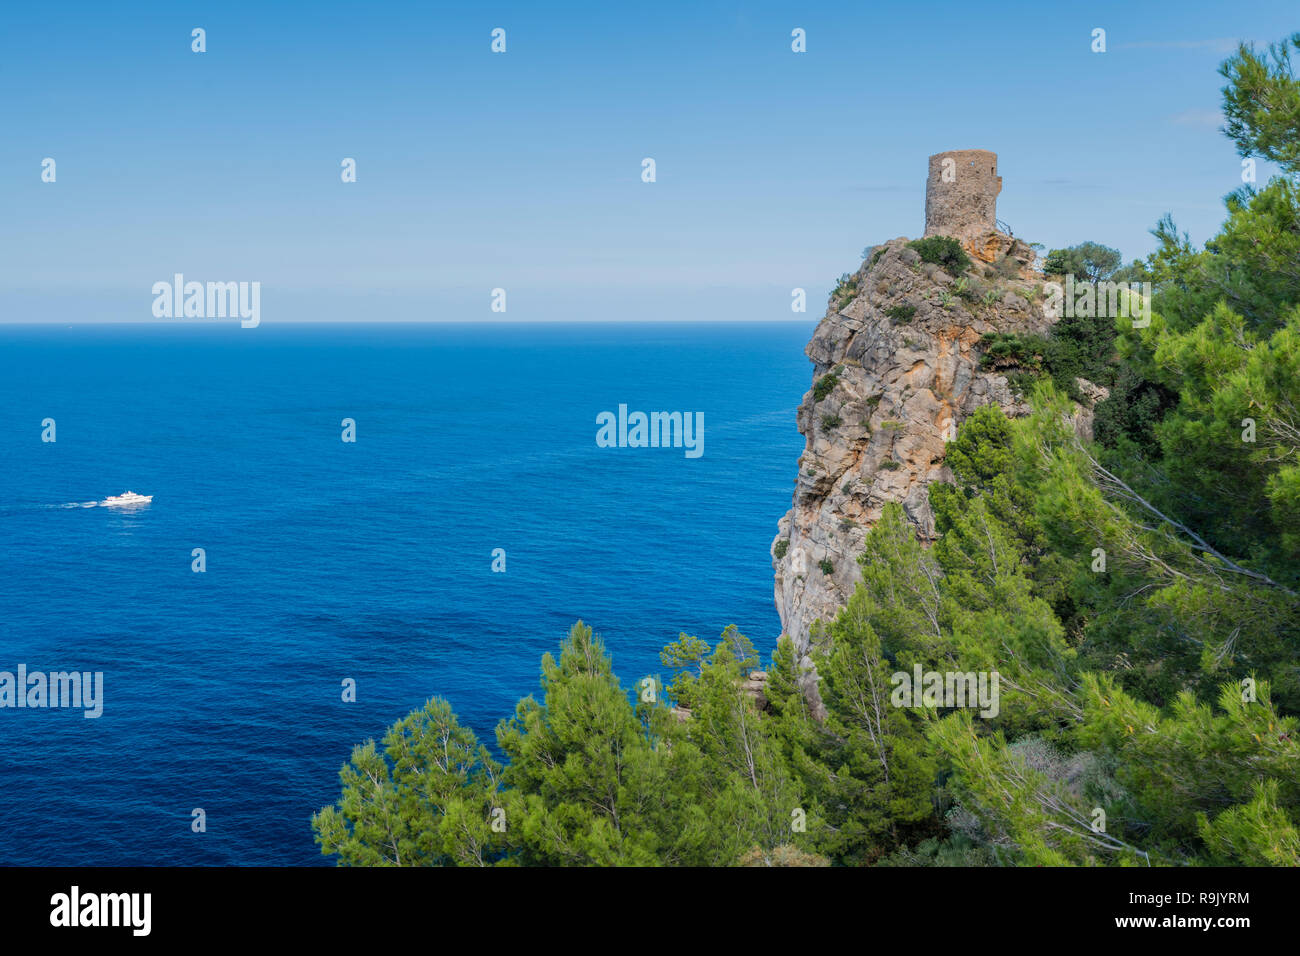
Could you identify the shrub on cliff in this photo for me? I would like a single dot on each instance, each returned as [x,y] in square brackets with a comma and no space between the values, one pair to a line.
[824,386]
[1013,350]
[845,290]
[1076,348]
[943,251]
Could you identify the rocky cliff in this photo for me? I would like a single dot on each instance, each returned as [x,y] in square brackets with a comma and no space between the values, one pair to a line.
[896,368]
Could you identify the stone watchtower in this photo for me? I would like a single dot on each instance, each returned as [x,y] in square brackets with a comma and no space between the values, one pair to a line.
[961,194]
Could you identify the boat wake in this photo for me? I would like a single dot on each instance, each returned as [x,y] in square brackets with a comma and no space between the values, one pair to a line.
[128,500]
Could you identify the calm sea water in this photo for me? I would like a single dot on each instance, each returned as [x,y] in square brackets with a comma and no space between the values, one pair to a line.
[328,560]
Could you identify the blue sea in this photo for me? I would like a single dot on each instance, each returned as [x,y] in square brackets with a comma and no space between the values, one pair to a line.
[328,560]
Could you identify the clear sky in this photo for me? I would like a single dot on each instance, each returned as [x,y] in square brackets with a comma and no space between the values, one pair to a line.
[523,170]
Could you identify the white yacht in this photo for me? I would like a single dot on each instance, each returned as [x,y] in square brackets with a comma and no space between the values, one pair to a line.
[130,498]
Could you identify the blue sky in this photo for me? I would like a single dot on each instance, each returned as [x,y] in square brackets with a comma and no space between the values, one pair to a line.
[522,170]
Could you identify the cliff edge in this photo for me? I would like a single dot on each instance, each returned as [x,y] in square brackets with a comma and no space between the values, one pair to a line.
[896,370]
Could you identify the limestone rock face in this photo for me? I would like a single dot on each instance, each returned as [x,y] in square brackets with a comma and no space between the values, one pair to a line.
[901,347]
[993,245]
[755,685]
[1084,414]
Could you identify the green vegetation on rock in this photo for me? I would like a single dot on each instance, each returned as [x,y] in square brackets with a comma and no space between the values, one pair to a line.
[943,251]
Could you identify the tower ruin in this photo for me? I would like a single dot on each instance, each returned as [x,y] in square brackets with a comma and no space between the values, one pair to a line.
[961,194]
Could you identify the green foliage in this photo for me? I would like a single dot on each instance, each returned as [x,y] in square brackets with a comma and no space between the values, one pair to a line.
[943,251]
[780,548]
[1188,763]
[1127,418]
[824,386]
[1258,833]
[590,779]
[1010,586]
[741,649]
[1087,262]
[827,566]
[425,801]
[1002,350]
[831,421]
[901,313]
[1250,265]
[1078,347]
[971,290]
[1026,800]
[982,452]
[582,776]
[1082,347]
[1135,271]
[1262,102]
[845,290]
[867,764]
[1018,355]
[1236,487]
[686,657]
